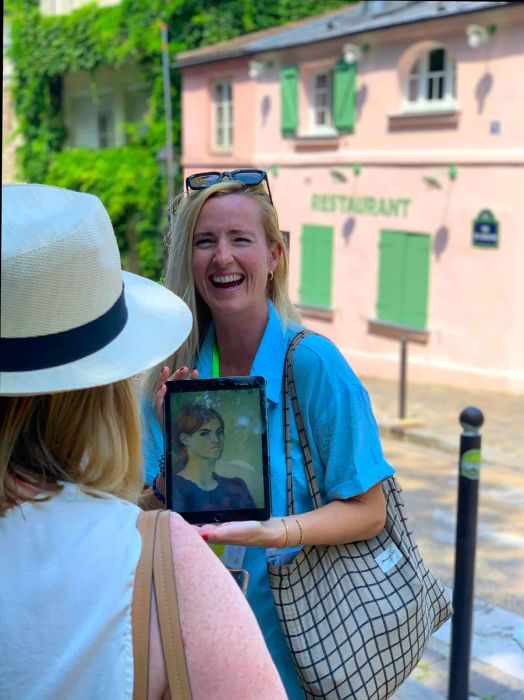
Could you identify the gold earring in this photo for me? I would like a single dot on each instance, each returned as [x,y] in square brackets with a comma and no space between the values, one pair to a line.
[270,276]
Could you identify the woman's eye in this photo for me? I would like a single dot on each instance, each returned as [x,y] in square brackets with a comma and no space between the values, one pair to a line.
[203,242]
[242,239]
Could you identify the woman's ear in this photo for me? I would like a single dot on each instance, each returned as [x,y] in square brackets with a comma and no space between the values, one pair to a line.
[184,438]
[275,251]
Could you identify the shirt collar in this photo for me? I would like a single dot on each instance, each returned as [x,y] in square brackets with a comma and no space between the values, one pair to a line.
[269,360]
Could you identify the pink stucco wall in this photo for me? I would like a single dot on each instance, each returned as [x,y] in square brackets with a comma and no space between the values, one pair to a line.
[476,296]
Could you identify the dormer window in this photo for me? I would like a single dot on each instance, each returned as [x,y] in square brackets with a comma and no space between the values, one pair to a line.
[430,82]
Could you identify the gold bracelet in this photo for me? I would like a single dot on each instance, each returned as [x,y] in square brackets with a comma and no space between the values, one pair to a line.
[287,533]
[301,532]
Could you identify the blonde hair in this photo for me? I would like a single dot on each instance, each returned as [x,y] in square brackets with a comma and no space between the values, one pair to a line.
[179,273]
[89,437]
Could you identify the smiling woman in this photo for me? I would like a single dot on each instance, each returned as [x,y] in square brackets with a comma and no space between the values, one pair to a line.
[228,260]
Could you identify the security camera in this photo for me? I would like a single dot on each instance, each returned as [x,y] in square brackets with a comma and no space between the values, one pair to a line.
[476,35]
[351,53]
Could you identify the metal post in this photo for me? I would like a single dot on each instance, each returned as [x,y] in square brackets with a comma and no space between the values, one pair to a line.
[471,420]
[403,371]
[170,170]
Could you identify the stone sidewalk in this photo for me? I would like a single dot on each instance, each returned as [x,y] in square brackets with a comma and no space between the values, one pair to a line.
[432,419]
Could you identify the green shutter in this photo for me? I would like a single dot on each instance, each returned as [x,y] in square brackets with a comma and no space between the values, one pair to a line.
[344,79]
[316,265]
[404,278]
[389,305]
[289,100]
[415,291]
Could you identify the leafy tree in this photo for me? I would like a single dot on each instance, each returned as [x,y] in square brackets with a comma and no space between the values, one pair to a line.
[127,179]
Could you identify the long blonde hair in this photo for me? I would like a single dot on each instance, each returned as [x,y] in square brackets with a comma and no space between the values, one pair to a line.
[179,273]
[89,437]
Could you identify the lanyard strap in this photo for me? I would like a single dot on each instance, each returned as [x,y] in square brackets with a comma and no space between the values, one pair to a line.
[215,364]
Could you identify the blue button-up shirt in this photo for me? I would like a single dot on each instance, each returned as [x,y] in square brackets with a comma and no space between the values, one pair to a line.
[342,434]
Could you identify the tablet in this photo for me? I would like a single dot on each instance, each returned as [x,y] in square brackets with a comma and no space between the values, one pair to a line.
[217,465]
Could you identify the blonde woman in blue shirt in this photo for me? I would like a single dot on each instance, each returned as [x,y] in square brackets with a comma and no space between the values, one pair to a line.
[228,261]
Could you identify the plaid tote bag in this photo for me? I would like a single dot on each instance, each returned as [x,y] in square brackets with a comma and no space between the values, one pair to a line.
[358,616]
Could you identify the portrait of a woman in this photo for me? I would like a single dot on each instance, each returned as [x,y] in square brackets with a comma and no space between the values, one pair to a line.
[197,444]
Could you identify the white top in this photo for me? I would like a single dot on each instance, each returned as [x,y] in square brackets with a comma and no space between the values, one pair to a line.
[67,568]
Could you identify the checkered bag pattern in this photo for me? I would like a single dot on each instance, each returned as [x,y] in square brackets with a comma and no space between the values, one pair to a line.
[356,617]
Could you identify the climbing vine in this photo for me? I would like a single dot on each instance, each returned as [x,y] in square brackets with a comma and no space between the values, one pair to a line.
[127,178]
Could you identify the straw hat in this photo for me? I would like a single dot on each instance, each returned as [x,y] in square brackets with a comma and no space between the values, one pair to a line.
[70,318]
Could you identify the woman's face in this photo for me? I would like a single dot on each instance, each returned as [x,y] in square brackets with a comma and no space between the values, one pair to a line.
[206,442]
[231,258]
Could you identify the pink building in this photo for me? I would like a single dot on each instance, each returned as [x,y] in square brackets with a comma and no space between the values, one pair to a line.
[393,135]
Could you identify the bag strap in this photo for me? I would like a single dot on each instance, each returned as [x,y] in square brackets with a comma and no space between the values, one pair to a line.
[168,612]
[156,565]
[289,389]
[141,608]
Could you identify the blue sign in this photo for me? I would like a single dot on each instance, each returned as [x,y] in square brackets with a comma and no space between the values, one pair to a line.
[486,230]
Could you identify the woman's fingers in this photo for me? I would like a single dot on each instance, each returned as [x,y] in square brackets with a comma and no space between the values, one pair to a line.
[248,533]
[164,376]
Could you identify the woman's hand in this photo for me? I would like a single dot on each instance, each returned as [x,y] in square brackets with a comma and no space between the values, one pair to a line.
[248,533]
[180,373]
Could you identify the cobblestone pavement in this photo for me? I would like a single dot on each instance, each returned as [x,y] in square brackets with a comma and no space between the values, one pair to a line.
[429,479]
[432,414]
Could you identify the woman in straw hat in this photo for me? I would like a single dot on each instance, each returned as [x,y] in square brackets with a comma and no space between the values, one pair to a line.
[74,331]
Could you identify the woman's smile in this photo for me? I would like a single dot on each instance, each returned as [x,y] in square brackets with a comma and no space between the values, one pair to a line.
[226,281]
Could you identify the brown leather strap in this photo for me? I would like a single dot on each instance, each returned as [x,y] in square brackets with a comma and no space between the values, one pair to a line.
[168,613]
[141,610]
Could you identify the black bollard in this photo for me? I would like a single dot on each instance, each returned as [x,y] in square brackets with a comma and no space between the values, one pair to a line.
[471,419]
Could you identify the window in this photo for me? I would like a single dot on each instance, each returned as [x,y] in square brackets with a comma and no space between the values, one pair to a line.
[91,125]
[321,100]
[222,115]
[332,97]
[403,278]
[105,122]
[316,266]
[430,83]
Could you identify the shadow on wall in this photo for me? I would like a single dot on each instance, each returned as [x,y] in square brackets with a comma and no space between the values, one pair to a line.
[441,241]
[265,109]
[348,229]
[482,90]
[360,99]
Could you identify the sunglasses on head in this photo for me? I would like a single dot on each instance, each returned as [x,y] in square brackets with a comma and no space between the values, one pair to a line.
[247,176]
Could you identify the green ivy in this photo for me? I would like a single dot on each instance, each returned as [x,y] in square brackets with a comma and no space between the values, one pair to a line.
[127,179]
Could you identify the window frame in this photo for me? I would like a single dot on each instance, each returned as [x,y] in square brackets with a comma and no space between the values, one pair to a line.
[321,129]
[423,104]
[226,118]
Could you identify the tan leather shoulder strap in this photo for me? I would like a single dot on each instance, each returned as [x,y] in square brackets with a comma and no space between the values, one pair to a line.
[141,610]
[168,613]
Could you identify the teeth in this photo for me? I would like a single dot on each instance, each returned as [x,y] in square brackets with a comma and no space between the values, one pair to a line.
[225,279]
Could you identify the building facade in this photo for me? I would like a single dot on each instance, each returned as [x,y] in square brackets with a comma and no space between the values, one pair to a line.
[393,135]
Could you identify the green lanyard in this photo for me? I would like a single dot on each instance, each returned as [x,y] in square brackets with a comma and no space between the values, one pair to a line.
[215,365]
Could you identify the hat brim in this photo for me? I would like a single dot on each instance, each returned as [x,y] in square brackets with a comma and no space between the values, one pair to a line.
[158,323]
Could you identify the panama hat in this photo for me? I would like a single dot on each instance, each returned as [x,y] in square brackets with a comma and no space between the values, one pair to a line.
[70,318]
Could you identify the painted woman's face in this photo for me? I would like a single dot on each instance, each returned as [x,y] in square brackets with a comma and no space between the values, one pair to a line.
[207,442]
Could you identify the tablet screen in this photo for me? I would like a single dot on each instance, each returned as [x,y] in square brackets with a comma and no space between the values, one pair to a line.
[217,466]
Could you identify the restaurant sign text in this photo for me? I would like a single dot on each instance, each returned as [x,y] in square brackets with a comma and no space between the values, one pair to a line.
[374,206]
